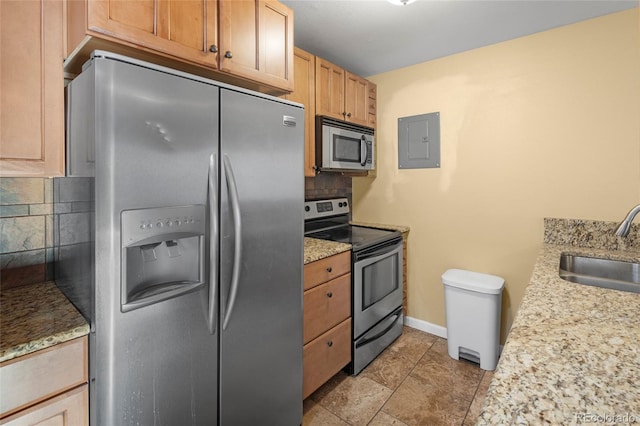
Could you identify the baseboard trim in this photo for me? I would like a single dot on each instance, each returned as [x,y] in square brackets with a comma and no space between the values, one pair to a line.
[426,326]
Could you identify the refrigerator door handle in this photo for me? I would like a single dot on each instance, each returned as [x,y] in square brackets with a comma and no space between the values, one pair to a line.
[237,224]
[213,243]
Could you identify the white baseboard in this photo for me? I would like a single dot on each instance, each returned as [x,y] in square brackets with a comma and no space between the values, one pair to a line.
[436,330]
[426,326]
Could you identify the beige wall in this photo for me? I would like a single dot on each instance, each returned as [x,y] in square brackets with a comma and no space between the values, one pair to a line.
[541,126]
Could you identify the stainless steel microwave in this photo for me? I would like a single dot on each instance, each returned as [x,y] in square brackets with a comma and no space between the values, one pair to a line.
[343,146]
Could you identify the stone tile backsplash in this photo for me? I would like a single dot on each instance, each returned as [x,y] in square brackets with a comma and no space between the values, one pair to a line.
[26,231]
[327,185]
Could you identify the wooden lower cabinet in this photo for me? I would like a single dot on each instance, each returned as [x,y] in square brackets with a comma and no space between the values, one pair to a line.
[47,387]
[327,320]
[325,356]
[67,409]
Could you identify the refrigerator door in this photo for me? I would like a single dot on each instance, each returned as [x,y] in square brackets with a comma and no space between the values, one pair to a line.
[155,362]
[261,248]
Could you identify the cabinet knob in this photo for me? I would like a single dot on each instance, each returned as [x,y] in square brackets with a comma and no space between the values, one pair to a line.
[330,343]
[349,115]
[329,269]
[228,54]
[330,294]
[213,48]
[344,113]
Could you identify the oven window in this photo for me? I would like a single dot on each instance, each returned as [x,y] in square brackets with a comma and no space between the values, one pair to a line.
[346,149]
[378,280]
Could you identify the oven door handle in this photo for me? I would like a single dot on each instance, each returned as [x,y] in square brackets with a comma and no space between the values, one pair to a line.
[381,333]
[376,255]
[364,150]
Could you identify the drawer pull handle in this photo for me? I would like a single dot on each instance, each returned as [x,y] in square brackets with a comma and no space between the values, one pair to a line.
[330,294]
[330,343]
[329,269]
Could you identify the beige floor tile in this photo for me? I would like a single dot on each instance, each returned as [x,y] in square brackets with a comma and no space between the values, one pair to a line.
[389,369]
[417,403]
[383,419]
[315,415]
[456,378]
[355,400]
[478,399]
[412,344]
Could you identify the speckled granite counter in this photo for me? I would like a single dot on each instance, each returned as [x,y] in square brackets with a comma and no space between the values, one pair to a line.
[402,229]
[315,249]
[573,352]
[36,317]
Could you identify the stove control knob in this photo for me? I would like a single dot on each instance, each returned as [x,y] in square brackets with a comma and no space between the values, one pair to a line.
[307,208]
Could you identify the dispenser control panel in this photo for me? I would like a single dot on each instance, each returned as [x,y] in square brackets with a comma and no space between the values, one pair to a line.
[142,224]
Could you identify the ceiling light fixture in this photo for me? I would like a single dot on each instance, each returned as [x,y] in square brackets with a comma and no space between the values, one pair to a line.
[401,2]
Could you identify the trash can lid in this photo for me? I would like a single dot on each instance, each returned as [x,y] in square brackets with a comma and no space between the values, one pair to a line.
[473,281]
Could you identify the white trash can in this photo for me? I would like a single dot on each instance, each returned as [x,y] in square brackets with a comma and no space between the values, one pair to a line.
[473,302]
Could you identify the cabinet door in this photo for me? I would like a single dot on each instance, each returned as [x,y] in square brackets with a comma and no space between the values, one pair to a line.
[256,41]
[329,89]
[304,90]
[67,409]
[356,99]
[276,44]
[182,28]
[31,88]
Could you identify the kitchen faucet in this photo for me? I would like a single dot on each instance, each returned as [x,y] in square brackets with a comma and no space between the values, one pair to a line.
[625,225]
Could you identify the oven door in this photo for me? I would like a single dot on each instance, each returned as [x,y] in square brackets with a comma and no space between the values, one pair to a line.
[346,149]
[377,284]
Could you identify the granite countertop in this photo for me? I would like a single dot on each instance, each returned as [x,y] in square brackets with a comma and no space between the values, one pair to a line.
[315,249]
[401,228]
[573,352]
[35,317]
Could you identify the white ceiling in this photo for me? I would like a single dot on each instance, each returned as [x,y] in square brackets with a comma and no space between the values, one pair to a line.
[368,37]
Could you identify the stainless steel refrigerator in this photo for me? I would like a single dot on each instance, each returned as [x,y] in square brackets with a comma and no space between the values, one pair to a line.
[179,236]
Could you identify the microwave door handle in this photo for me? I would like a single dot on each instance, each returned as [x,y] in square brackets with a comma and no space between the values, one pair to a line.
[363,151]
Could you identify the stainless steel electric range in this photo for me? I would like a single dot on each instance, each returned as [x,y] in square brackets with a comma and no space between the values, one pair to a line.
[376,276]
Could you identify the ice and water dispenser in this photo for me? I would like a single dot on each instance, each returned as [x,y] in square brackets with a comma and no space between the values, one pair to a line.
[163,254]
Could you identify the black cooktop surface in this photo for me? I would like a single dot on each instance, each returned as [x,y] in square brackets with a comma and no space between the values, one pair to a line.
[359,237]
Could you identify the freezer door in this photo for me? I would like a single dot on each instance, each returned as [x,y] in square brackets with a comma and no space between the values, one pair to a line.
[262,200]
[155,139]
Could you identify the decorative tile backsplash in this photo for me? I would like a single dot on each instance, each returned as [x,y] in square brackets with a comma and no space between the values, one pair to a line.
[327,185]
[26,231]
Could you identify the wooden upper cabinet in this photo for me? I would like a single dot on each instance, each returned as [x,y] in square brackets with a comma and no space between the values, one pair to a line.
[183,28]
[304,92]
[340,94]
[256,41]
[31,88]
[356,99]
[251,41]
[329,89]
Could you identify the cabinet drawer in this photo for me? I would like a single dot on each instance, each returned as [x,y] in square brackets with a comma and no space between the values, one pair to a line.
[42,374]
[323,270]
[326,305]
[325,356]
[67,409]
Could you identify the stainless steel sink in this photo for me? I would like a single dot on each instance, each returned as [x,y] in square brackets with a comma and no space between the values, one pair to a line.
[615,274]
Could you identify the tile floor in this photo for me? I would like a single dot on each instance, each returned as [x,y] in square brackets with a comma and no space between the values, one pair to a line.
[413,382]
